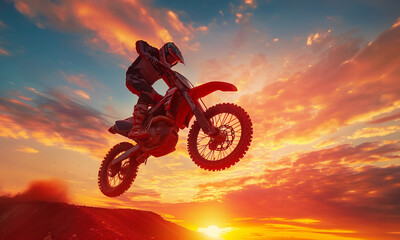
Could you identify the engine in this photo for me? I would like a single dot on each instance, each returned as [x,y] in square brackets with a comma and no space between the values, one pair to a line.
[163,139]
[163,135]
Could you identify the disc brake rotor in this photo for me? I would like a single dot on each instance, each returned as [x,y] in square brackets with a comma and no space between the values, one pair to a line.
[224,139]
[124,169]
[113,170]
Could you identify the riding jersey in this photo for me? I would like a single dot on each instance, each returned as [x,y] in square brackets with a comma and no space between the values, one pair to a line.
[145,64]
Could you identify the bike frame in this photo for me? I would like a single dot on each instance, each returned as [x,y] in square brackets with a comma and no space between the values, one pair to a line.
[192,106]
[188,108]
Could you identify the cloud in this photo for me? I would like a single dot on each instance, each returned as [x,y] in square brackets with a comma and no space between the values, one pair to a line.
[346,86]
[79,80]
[242,75]
[238,17]
[329,191]
[26,149]
[329,142]
[251,3]
[4,52]
[338,197]
[247,32]
[176,23]
[322,162]
[368,152]
[397,23]
[319,40]
[320,188]
[242,12]
[51,190]
[82,94]
[374,132]
[55,119]
[393,117]
[112,26]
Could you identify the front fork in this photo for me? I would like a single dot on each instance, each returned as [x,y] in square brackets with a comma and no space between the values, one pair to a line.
[205,125]
[130,152]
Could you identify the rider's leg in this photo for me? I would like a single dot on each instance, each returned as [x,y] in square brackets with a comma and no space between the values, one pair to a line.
[137,85]
[147,97]
[139,113]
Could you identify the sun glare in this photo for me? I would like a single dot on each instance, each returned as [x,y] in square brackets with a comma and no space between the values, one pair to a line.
[214,231]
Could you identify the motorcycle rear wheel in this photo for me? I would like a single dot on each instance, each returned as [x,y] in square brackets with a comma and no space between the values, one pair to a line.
[236,128]
[115,180]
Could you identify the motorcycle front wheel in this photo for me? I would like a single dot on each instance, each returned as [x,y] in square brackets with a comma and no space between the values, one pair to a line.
[235,133]
[115,180]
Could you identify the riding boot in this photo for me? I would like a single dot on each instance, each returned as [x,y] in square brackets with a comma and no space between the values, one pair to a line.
[139,113]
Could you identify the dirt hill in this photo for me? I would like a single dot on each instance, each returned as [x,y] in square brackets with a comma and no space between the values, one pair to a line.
[49,220]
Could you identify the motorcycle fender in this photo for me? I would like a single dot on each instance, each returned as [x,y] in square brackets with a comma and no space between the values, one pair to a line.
[210,87]
[185,113]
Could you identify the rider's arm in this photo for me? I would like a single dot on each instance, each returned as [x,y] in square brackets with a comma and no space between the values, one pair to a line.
[148,52]
[167,80]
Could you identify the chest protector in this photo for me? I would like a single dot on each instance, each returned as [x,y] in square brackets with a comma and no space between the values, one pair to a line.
[147,70]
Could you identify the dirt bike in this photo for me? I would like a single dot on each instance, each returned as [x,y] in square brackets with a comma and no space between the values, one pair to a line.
[219,137]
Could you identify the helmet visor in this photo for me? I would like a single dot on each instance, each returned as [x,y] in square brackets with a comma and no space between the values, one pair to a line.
[171,59]
[174,51]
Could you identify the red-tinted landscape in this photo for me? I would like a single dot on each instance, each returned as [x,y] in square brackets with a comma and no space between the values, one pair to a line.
[40,213]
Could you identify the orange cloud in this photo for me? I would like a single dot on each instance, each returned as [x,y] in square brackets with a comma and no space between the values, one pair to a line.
[55,119]
[242,75]
[4,52]
[347,86]
[26,149]
[313,194]
[355,201]
[242,11]
[319,188]
[394,117]
[112,26]
[24,8]
[317,38]
[10,128]
[368,152]
[397,23]
[329,142]
[118,34]
[330,200]
[174,21]
[78,79]
[82,94]
[374,132]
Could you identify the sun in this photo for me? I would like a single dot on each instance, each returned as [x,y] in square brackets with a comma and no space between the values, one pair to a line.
[214,231]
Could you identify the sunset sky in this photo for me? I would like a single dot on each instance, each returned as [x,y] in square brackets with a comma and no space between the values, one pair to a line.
[320,80]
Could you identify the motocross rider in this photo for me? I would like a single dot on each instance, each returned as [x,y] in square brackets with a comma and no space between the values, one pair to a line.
[143,73]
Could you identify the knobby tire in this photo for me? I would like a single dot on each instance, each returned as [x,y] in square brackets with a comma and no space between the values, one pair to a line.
[246,132]
[131,171]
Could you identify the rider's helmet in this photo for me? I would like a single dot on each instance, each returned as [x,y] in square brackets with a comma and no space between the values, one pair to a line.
[170,54]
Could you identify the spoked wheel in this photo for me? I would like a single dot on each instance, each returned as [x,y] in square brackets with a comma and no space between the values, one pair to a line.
[232,141]
[115,180]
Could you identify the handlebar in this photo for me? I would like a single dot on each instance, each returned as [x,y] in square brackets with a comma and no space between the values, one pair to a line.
[166,70]
[163,67]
